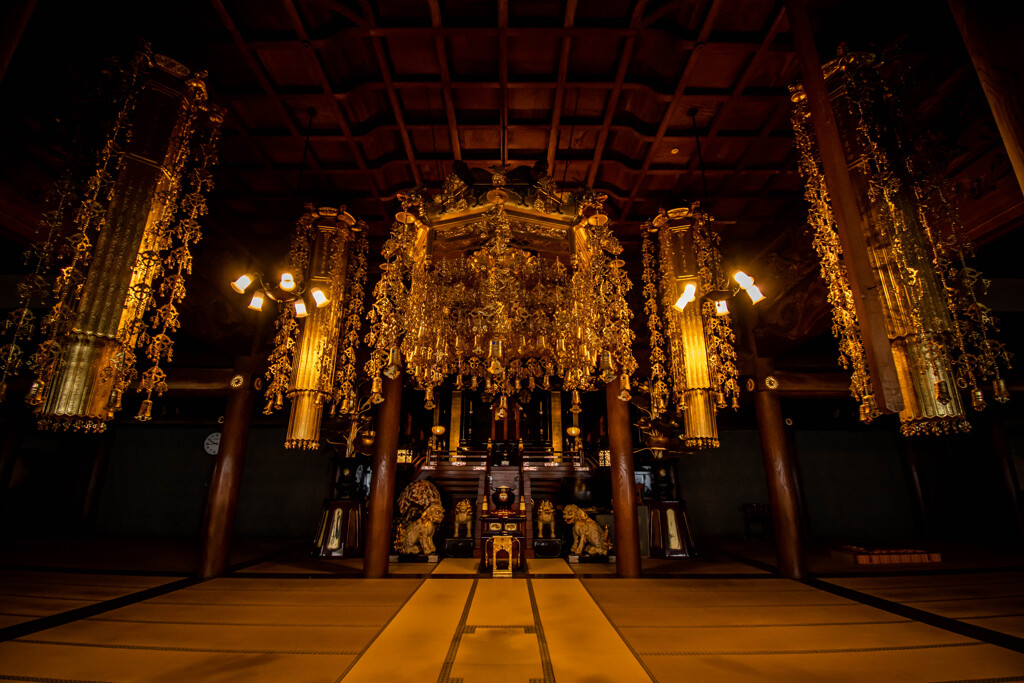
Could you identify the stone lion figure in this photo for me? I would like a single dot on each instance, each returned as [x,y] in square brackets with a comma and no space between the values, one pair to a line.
[464,517]
[545,518]
[418,537]
[587,537]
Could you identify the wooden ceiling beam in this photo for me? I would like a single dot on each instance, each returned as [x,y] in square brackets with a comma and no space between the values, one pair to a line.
[705,31]
[612,102]
[742,81]
[335,136]
[563,71]
[258,72]
[446,81]
[325,86]
[503,74]
[396,109]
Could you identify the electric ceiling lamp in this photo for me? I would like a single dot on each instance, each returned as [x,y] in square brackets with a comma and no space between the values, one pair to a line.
[112,270]
[940,334]
[315,364]
[693,359]
[503,292]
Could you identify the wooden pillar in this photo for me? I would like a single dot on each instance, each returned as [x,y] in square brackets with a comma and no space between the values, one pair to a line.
[97,473]
[1001,446]
[991,32]
[848,214]
[620,442]
[222,499]
[13,20]
[382,481]
[782,488]
[911,455]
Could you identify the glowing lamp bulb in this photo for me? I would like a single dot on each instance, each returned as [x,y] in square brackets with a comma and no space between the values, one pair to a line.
[722,307]
[287,281]
[755,294]
[242,283]
[256,303]
[319,298]
[742,279]
[300,308]
[688,295]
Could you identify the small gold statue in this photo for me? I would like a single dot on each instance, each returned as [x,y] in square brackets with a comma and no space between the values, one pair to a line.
[418,537]
[464,517]
[587,538]
[545,518]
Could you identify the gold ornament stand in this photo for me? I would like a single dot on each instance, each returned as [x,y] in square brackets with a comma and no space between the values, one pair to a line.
[502,564]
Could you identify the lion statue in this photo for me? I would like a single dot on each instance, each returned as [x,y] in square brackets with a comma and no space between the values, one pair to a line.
[418,537]
[545,518]
[587,537]
[464,517]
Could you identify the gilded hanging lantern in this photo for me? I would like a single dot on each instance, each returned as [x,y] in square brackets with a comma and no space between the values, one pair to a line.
[939,333]
[114,285]
[693,358]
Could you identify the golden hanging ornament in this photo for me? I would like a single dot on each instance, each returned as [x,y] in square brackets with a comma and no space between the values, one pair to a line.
[940,334]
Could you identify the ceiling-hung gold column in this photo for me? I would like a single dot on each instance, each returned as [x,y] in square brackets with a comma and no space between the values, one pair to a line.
[130,211]
[330,236]
[688,348]
[938,331]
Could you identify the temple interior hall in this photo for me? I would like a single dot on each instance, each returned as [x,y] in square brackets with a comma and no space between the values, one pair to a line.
[511,341]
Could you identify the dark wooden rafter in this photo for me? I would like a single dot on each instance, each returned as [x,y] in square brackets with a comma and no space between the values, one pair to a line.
[741,83]
[503,74]
[260,74]
[563,70]
[691,62]
[446,81]
[396,108]
[613,97]
[715,129]
[318,70]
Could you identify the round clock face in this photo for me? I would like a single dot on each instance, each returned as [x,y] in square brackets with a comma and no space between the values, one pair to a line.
[211,444]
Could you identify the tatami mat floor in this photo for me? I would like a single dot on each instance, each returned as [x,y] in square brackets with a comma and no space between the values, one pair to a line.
[290,619]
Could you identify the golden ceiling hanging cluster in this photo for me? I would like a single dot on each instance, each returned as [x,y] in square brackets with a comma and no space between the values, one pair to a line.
[324,285]
[111,271]
[504,291]
[693,355]
[939,333]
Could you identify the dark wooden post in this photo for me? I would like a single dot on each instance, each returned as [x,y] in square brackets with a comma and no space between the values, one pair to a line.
[13,20]
[222,499]
[97,472]
[782,487]
[991,32]
[1001,446]
[911,455]
[620,443]
[849,216]
[382,481]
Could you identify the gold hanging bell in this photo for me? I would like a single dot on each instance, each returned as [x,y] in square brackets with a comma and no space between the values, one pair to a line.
[394,363]
[502,407]
[428,400]
[575,408]
[494,357]
[999,391]
[607,367]
[145,411]
[977,399]
[376,391]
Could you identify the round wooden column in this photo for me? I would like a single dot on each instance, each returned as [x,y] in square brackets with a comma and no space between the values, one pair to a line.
[991,33]
[382,481]
[782,490]
[222,500]
[627,535]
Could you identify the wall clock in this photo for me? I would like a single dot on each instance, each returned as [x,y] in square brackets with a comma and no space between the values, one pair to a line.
[211,444]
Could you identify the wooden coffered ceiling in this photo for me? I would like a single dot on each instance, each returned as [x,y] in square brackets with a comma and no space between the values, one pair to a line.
[613,94]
